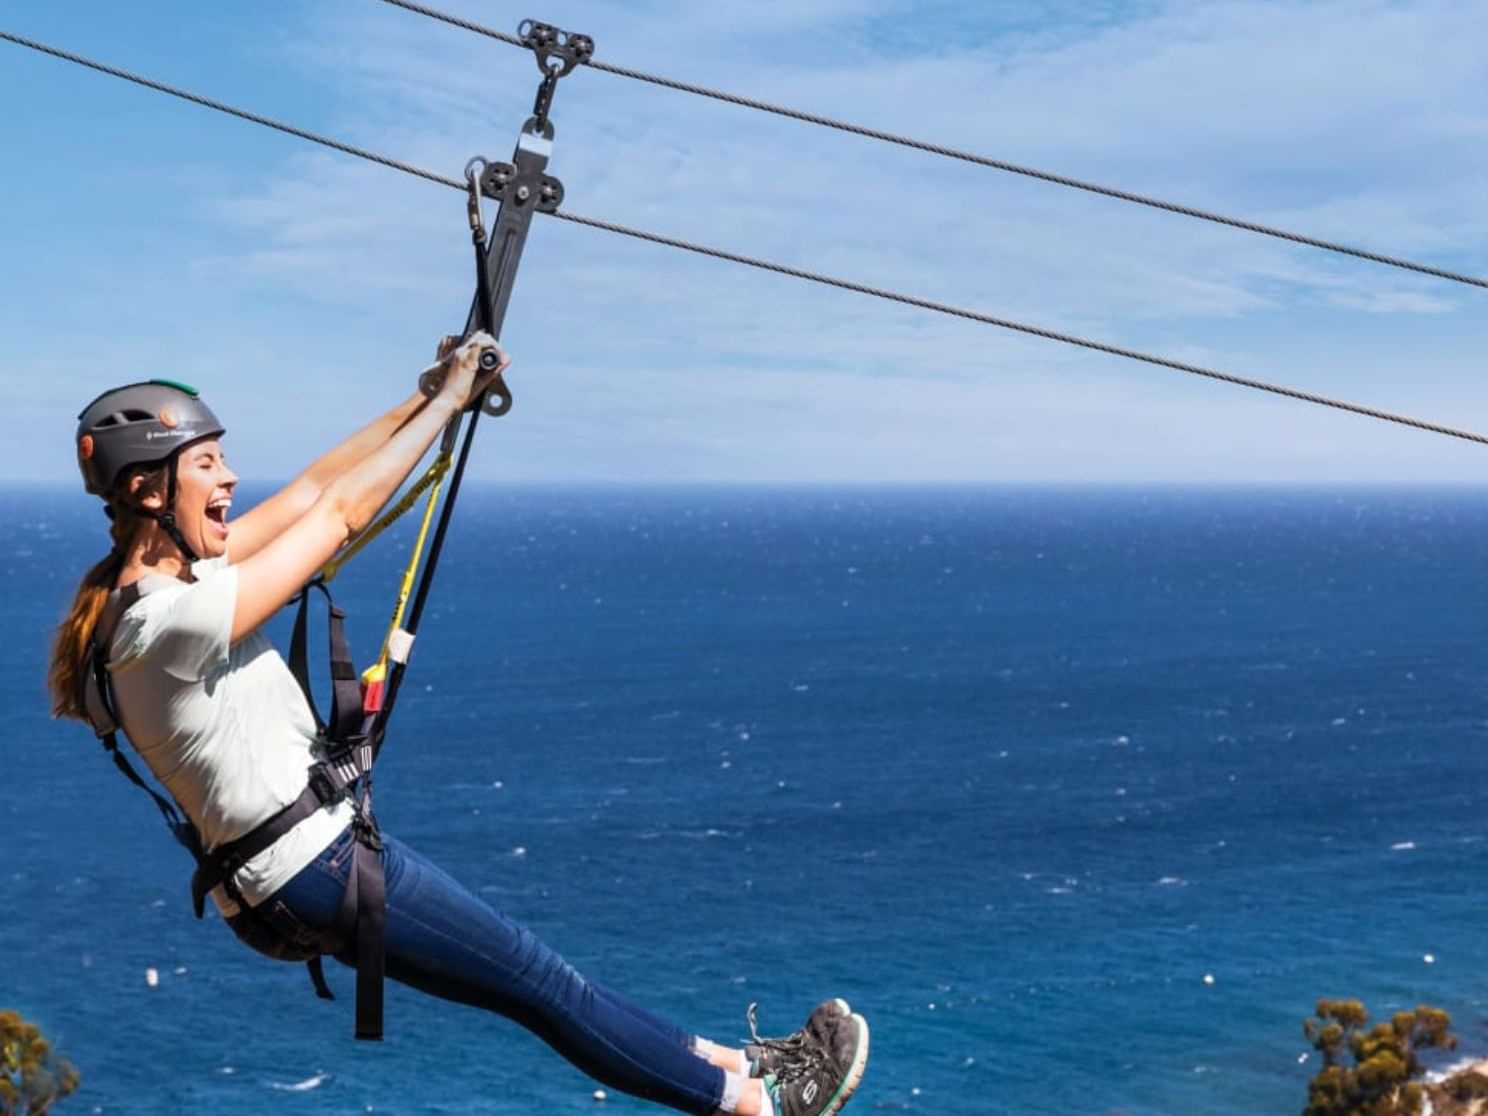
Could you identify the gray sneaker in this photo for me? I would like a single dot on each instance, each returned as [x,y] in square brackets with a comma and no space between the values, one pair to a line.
[767,1055]
[820,1081]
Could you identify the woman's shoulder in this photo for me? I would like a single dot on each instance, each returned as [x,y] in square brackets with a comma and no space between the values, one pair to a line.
[137,609]
[155,606]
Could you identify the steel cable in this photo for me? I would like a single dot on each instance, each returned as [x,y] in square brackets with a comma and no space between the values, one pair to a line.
[220,106]
[968,156]
[1023,327]
[778,268]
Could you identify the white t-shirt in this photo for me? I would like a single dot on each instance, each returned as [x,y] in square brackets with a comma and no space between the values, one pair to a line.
[224,727]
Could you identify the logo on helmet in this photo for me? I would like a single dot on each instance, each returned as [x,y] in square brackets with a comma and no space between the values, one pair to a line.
[85,447]
[169,417]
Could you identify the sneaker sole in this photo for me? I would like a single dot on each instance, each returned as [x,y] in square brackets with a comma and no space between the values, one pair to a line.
[854,1075]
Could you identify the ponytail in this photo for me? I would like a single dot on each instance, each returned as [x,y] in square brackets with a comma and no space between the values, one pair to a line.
[70,653]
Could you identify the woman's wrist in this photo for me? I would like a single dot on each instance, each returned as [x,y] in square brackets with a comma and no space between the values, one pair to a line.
[446,406]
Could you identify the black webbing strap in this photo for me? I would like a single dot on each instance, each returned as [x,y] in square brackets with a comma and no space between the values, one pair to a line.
[180,827]
[346,684]
[362,916]
[365,903]
[361,922]
[371,939]
[316,965]
[298,664]
[223,862]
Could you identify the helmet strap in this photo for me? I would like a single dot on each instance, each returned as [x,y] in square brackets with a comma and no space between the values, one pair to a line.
[167,521]
[167,518]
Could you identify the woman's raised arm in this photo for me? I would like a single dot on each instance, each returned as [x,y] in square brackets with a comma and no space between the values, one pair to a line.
[252,531]
[282,561]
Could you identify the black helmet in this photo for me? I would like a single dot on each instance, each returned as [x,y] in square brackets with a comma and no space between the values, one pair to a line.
[138,424]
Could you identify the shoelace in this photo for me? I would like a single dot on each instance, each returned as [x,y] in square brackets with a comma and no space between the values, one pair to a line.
[799,1056]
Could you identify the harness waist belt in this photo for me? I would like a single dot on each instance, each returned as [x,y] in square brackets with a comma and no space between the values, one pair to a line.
[222,863]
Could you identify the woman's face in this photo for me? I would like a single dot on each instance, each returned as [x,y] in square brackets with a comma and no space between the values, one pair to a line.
[204,487]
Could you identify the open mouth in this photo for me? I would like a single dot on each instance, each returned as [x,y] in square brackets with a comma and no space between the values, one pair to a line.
[217,514]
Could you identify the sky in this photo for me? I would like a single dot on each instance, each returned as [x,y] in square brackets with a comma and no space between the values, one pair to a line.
[302,290]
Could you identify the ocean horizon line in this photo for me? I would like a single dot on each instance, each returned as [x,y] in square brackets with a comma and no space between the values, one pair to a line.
[601,484]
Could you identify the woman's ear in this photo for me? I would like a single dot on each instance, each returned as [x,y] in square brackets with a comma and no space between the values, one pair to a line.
[146,491]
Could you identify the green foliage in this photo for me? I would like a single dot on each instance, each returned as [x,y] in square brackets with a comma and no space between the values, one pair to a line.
[32,1078]
[1371,1072]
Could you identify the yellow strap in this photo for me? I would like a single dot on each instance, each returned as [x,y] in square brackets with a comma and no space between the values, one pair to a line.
[434,473]
[378,670]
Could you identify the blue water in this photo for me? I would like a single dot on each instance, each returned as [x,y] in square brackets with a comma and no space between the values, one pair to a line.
[1014,771]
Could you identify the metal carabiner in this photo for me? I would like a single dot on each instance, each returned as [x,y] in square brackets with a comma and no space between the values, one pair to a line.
[473,197]
[544,101]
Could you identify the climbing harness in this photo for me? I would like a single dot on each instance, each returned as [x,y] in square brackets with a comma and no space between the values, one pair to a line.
[361,706]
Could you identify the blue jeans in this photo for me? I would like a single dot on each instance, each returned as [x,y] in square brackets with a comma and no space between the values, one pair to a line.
[444,941]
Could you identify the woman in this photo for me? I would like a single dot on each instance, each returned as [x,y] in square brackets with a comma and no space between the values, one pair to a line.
[220,720]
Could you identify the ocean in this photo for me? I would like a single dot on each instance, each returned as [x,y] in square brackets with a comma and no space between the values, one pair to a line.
[1082,796]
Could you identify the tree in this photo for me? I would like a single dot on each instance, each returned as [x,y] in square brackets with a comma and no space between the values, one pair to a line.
[32,1078]
[1381,1079]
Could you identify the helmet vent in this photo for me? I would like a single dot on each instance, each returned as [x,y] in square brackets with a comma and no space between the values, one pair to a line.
[142,424]
[119,418]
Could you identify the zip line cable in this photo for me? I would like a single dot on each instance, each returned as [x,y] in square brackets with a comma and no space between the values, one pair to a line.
[966,156]
[1023,327]
[220,106]
[780,269]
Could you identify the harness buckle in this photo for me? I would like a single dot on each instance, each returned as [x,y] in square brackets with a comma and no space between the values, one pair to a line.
[323,785]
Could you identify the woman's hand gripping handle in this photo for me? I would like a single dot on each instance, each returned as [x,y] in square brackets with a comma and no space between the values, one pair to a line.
[465,369]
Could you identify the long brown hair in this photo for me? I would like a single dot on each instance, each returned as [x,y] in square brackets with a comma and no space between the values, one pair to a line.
[70,652]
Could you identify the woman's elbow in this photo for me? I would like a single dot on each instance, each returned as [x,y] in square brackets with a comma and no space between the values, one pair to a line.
[339,512]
